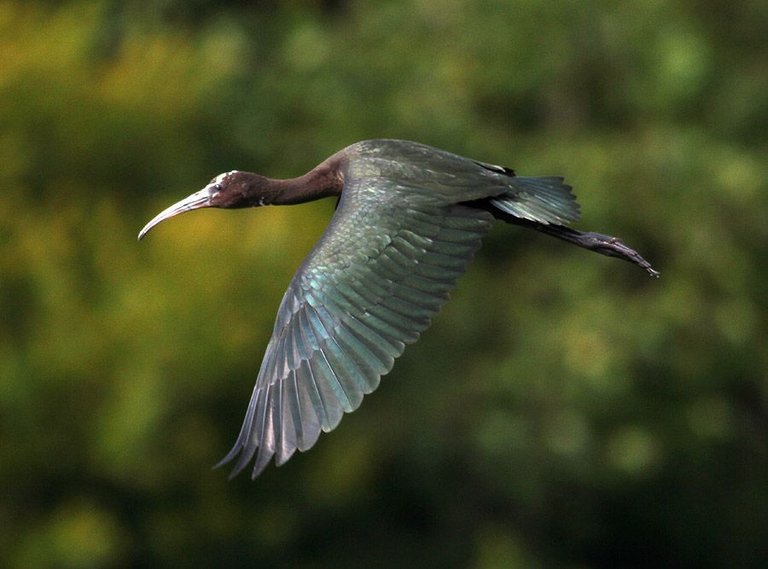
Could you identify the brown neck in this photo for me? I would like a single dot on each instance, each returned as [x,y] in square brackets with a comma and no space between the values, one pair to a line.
[320,182]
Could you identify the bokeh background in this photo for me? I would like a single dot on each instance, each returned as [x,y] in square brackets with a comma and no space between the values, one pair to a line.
[565,410]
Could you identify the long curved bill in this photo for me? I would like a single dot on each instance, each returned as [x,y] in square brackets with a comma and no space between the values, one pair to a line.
[195,201]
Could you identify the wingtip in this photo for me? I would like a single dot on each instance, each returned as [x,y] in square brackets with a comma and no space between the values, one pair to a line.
[231,455]
[263,459]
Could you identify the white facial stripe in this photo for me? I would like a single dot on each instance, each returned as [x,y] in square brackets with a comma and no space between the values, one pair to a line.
[220,178]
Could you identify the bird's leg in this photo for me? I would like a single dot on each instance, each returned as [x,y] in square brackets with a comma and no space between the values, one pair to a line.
[597,242]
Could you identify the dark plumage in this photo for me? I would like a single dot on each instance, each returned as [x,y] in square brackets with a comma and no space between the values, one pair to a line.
[409,220]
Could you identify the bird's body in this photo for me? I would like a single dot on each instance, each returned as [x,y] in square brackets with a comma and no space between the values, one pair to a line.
[409,220]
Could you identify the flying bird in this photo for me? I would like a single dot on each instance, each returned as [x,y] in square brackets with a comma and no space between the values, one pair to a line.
[408,221]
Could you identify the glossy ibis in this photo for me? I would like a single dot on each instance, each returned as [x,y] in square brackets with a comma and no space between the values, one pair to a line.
[408,222]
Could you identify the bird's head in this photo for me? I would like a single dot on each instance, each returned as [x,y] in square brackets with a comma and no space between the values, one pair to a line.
[231,190]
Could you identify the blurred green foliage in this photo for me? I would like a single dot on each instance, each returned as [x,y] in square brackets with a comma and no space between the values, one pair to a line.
[563,411]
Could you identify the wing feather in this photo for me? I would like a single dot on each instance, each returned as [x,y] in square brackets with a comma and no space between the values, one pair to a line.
[369,288]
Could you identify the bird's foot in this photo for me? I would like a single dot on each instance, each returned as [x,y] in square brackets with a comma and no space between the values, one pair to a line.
[614,247]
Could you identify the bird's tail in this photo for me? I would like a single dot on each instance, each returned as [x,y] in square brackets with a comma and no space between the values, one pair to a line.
[547,200]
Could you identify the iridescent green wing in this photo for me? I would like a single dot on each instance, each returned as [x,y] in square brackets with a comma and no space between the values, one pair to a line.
[372,284]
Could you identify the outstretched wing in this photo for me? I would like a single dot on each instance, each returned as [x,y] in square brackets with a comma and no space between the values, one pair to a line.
[381,271]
